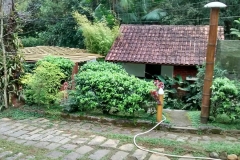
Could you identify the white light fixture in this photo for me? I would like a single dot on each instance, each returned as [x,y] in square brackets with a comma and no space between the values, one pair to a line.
[215,5]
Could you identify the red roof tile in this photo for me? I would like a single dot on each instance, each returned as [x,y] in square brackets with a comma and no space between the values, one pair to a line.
[161,44]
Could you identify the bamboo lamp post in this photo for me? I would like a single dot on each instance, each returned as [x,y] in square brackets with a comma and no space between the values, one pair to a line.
[160,106]
[211,47]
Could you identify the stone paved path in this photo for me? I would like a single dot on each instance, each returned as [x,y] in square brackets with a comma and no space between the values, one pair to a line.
[80,140]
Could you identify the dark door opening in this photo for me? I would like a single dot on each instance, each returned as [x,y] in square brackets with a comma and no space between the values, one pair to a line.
[151,70]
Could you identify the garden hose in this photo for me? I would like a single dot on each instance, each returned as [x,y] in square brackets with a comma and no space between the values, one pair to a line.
[163,154]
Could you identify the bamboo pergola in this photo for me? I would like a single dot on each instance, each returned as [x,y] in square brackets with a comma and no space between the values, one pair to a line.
[33,54]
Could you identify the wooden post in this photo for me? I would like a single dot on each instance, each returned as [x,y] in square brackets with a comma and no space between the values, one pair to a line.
[211,48]
[160,106]
[74,71]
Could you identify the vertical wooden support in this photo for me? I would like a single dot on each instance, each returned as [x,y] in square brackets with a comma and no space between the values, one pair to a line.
[74,71]
[160,106]
[211,48]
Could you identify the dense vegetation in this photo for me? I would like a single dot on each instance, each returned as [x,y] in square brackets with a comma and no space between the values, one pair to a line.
[107,87]
[47,22]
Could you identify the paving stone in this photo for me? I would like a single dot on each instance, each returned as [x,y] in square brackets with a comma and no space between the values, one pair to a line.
[55,154]
[33,137]
[20,141]
[99,154]
[29,143]
[182,139]
[187,155]
[57,132]
[230,138]
[69,146]
[4,154]
[158,157]
[48,138]
[140,154]
[16,156]
[6,128]
[120,155]
[171,136]
[127,147]
[53,146]
[28,158]
[110,143]
[57,139]
[65,140]
[3,137]
[97,140]
[73,156]
[18,133]
[12,139]
[84,149]
[15,130]
[35,131]
[30,128]
[206,138]
[41,144]
[80,140]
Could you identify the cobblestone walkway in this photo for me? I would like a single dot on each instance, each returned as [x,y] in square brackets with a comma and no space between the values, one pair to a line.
[80,140]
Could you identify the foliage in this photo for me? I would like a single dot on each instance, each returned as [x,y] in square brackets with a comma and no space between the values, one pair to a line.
[42,86]
[235,31]
[98,36]
[103,66]
[171,98]
[225,99]
[193,97]
[14,70]
[65,65]
[32,41]
[108,90]
[51,22]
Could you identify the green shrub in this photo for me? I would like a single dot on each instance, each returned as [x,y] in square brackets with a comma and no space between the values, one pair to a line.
[193,97]
[32,41]
[109,90]
[65,65]
[103,66]
[225,99]
[41,87]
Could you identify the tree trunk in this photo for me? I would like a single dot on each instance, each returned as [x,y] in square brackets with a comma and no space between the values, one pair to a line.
[4,58]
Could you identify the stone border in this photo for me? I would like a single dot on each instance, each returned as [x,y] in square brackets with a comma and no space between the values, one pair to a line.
[147,124]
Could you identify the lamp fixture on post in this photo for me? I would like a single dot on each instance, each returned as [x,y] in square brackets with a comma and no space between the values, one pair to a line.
[211,48]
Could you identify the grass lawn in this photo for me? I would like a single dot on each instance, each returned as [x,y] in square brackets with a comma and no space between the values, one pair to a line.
[194,116]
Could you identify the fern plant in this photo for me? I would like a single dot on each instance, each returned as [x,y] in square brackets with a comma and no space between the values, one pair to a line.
[235,31]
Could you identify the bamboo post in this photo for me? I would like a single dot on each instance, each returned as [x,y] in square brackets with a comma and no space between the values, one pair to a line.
[160,106]
[211,48]
[74,71]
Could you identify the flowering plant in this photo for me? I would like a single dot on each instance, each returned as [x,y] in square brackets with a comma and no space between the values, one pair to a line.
[154,93]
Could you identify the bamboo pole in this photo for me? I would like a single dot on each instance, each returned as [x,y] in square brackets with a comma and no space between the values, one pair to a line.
[211,48]
[160,106]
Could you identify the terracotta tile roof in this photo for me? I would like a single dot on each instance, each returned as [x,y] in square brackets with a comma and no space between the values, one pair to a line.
[32,54]
[161,44]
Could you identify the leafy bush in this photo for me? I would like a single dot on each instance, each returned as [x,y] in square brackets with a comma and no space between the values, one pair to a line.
[171,98]
[32,41]
[65,65]
[103,66]
[225,99]
[193,97]
[98,36]
[109,90]
[41,87]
